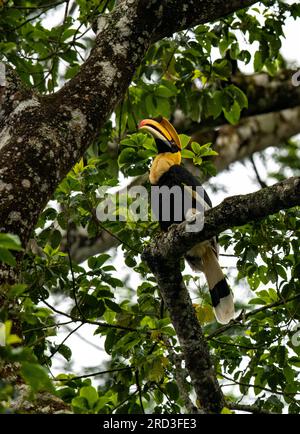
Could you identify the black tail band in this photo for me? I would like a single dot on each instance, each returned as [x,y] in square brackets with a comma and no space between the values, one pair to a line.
[220,290]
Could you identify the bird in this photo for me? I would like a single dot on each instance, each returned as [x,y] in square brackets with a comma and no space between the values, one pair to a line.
[166,170]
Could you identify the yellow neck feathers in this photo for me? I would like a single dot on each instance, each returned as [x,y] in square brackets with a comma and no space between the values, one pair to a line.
[162,164]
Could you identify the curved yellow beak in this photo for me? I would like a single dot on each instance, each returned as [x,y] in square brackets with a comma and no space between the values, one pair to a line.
[161,129]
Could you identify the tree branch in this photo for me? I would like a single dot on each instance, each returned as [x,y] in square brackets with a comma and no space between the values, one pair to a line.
[266,389]
[163,257]
[193,344]
[174,16]
[268,93]
[233,211]
[12,92]
[252,134]
[248,408]
[242,318]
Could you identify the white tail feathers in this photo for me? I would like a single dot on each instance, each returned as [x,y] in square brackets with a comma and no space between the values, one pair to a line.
[224,311]
[203,257]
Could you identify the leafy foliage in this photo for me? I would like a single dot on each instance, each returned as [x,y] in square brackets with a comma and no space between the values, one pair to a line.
[257,353]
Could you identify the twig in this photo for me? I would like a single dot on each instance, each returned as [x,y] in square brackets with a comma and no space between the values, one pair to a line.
[49,326]
[46,6]
[180,376]
[100,324]
[98,223]
[248,408]
[87,341]
[64,340]
[237,321]
[139,390]
[125,400]
[72,274]
[108,371]
[257,386]
[260,181]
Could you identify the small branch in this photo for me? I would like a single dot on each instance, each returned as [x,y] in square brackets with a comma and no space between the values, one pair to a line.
[98,323]
[242,318]
[137,380]
[260,181]
[82,338]
[37,7]
[49,326]
[157,386]
[248,408]
[125,400]
[180,376]
[64,340]
[108,371]
[72,273]
[178,15]
[256,386]
[233,211]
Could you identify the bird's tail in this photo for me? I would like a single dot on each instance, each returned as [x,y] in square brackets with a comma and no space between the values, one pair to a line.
[203,257]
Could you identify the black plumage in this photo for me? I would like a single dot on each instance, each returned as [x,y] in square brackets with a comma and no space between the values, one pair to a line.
[178,176]
[177,195]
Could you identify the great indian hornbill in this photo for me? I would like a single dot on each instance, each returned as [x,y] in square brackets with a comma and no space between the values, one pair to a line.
[167,171]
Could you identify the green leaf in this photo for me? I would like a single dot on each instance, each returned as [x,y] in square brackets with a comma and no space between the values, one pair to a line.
[72,71]
[7,257]
[90,394]
[214,104]
[172,390]
[185,140]
[164,107]
[197,161]
[16,290]
[126,156]
[226,410]
[222,68]
[113,306]
[97,261]
[128,341]
[187,154]
[10,242]
[164,91]
[65,351]
[150,104]
[55,239]
[258,62]
[36,376]
[157,370]
[233,115]
[244,56]
[238,95]
[196,147]
[79,403]
[110,340]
